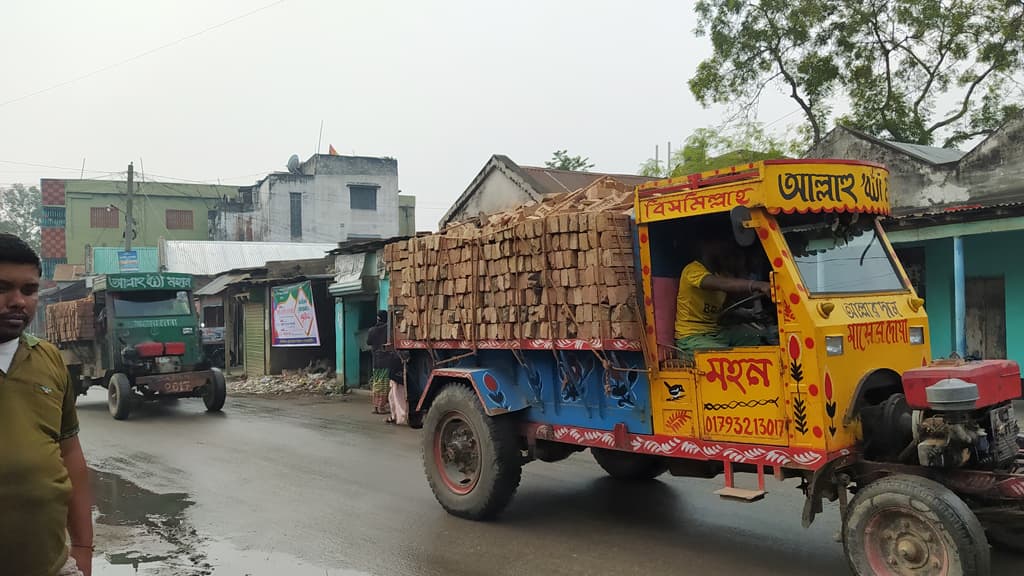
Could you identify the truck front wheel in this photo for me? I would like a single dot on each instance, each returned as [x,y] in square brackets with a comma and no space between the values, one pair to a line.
[119,395]
[910,526]
[472,460]
[216,391]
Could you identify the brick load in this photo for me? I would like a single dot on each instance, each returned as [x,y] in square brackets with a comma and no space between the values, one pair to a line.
[560,269]
[70,321]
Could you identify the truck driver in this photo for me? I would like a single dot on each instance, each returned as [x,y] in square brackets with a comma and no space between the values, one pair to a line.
[703,288]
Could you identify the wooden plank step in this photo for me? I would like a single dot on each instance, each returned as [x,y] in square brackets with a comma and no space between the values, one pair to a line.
[741,494]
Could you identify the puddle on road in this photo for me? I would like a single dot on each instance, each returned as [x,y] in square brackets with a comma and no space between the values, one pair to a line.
[139,532]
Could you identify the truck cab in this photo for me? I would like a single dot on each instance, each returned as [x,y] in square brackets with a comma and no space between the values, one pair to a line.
[137,335]
[147,323]
[843,317]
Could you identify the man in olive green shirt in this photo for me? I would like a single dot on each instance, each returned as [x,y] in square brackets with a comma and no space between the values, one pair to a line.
[44,483]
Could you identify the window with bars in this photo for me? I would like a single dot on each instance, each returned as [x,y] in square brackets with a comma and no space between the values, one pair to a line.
[104,218]
[362,197]
[296,214]
[53,216]
[179,219]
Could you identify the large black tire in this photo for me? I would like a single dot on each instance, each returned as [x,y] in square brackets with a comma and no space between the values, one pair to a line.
[119,396]
[629,467]
[472,460]
[216,391]
[907,525]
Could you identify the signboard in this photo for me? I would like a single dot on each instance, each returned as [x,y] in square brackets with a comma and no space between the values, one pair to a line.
[827,187]
[156,281]
[695,203]
[128,261]
[292,317]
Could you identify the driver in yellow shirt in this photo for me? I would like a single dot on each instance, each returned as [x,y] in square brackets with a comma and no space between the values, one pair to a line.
[703,288]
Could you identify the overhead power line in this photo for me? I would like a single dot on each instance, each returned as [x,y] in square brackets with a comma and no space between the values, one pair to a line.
[139,55]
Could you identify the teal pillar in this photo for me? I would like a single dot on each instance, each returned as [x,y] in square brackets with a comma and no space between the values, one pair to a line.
[383,290]
[959,298]
[351,320]
[339,341]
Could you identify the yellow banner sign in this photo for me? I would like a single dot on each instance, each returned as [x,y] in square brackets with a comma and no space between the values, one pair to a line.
[826,187]
[778,185]
[696,202]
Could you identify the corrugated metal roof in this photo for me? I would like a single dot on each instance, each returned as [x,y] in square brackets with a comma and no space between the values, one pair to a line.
[552,181]
[209,258]
[218,284]
[365,245]
[911,213]
[930,154]
[104,259]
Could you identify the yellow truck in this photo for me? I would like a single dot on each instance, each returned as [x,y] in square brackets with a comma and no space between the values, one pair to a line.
[924,457]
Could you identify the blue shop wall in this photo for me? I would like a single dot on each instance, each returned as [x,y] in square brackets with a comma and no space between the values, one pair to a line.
[985,255]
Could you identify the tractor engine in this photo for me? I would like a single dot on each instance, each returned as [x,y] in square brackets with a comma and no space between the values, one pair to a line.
[962,414]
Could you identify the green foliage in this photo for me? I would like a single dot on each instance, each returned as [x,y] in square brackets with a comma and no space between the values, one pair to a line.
[561,160]
[712,149]
[920,71]
[652,168]
[21,210]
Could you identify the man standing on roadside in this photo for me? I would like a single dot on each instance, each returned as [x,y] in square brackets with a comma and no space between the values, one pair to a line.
[44,483]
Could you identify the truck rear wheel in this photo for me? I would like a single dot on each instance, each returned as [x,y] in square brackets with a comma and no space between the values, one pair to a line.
[216,391]
[629,467]
[910,526]
[472,460]
[119,396]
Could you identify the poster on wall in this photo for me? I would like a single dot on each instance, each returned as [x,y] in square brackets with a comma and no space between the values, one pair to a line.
[293,318]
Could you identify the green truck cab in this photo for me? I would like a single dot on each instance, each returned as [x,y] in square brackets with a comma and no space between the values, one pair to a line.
[138,336]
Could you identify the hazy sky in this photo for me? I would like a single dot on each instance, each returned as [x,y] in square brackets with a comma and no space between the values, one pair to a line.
[439,85]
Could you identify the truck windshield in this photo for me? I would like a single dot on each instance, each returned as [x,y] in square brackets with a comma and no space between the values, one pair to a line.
[840,253]
[140,304]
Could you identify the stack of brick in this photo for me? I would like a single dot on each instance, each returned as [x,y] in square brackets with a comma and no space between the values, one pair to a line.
[553,270]
[70,321]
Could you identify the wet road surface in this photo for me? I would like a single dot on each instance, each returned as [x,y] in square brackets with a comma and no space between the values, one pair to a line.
[310,486]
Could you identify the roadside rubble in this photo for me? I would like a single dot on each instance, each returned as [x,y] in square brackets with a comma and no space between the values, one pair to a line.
[311,380]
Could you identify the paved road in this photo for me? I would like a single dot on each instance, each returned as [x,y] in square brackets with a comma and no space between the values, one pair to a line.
[312,486]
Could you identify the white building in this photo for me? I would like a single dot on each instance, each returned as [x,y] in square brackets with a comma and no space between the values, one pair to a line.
[328,198]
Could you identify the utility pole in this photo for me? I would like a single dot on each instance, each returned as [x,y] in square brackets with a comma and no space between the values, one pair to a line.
[129,220]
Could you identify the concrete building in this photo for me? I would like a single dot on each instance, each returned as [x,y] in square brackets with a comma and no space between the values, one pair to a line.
[502,184]
[958,222]
[80,214]
[328,198]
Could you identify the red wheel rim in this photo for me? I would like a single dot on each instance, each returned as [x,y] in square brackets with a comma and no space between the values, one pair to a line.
[457,453]
[901,542]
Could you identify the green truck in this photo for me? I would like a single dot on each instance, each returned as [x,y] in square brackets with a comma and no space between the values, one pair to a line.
[138,336]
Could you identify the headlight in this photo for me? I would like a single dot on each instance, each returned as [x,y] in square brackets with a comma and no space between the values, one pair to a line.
[834,345]
[917,334]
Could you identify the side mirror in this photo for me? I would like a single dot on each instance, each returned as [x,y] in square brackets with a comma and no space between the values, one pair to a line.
[744,236]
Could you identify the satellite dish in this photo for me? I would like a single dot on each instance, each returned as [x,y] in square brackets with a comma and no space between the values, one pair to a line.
[293,164]
[744,236]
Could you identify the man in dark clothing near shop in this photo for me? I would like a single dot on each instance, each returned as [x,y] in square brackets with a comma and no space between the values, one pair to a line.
[44,483]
